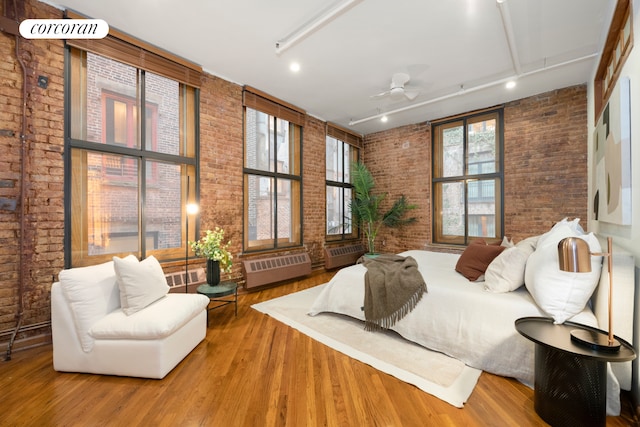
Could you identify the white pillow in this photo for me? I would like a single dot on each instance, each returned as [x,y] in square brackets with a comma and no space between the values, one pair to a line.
[506,271]
[140,283]
[558,293]
[92,293]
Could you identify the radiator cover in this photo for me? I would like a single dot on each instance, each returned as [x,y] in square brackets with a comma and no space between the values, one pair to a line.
[339,256]
[264,271]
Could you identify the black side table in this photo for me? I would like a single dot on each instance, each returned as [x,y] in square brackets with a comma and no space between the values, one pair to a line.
[570,379]
[218,293]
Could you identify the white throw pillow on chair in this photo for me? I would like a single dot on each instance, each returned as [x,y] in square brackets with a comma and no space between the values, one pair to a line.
[140,283]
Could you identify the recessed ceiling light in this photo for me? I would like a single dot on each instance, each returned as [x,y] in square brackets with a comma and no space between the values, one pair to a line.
[510,84]
[295,67]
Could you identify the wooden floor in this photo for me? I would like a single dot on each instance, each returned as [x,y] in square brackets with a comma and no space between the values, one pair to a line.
[252,370]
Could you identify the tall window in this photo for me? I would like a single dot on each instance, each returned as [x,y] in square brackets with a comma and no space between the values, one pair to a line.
[131,139]
[339,157]
[467,178]
[272,179]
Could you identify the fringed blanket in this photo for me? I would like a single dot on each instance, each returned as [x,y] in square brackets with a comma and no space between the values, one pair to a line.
[392,288]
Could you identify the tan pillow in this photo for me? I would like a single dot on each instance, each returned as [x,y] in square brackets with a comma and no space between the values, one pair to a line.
[476,258]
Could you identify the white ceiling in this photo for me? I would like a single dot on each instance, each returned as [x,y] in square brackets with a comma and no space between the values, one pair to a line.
[456,51]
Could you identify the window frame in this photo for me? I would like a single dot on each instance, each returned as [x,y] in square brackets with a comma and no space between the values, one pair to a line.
[276,113]
[341,185]
[437,180]
[76,235]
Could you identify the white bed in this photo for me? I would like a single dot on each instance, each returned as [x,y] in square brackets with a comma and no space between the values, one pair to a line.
[463,320]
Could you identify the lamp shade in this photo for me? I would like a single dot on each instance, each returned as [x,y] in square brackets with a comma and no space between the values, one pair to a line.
[574,255]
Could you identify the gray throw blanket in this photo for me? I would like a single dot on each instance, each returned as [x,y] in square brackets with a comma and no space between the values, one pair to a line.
[392,288]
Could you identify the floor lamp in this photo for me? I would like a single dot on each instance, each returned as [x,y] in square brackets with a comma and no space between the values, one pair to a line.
[191,209]
[574,256]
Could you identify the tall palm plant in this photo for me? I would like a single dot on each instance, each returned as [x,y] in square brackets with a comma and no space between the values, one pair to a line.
[365,206]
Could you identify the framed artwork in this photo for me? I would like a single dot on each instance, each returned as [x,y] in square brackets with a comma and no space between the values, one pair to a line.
[612,158]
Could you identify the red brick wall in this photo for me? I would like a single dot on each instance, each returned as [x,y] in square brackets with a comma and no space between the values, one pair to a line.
[545,146]
[400,161]
[44,141]
[545,150]
[546,176]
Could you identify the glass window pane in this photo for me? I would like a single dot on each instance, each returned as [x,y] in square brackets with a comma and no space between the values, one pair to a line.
[162,131]
[481,151]
[108,103]
[347,211]
[260,209]
[112,205]
[258,143]
[482,207]
[453,209]
[346,163]
[285,220]
[334,210]
[163,205]
[452,152]
[332,157]
[284,146]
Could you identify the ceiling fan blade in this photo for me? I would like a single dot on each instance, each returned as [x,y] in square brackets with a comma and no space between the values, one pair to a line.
[399,79]
[411,95]
[381,94]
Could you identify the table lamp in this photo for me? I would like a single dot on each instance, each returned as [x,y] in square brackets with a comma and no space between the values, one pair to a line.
[574,256]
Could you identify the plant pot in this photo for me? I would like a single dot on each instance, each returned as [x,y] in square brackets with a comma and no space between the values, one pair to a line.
[213,272]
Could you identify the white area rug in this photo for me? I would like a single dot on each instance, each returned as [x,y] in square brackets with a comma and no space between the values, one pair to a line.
[441,376]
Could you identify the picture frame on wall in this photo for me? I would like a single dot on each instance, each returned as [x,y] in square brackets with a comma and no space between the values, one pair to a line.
[611,158]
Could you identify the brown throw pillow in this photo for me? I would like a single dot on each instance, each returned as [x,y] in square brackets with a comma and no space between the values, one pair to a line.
[476,258]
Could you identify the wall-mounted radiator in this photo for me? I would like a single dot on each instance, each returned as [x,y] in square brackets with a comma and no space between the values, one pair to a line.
[264,271]
[196,276]
[339,256]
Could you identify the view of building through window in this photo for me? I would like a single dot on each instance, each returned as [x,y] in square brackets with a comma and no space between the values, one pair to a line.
[467,179]
[126,171]
[339,156]
[272,181]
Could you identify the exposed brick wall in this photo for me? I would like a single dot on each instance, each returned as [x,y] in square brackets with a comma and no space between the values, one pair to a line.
[44,141]
[221,161]
[313,191]
[545,145]
[545,161]
[400,162]
[545,149]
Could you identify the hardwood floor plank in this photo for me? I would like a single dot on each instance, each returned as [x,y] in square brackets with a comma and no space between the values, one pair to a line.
[252,370]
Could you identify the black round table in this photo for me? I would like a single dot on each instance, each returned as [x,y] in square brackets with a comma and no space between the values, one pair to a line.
[218,293]
[570,378]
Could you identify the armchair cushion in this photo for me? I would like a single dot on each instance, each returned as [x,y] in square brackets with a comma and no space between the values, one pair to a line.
[154,321]
[140,283]
[92,292]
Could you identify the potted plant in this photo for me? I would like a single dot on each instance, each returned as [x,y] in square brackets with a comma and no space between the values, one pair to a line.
[366,209]
[211,247]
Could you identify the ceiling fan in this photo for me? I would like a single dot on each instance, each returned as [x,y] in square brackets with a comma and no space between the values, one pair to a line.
[397,88]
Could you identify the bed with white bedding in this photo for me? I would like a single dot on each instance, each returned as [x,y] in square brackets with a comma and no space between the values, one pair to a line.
[462,319]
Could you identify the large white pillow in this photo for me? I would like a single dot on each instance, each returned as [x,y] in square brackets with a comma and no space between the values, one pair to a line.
[140,283]
[561,294]
[506,271]
[92,293]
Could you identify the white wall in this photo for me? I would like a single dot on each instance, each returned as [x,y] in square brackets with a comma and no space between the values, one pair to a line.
[627,237]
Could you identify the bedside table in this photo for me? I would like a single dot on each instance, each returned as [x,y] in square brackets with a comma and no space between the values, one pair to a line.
[570,379]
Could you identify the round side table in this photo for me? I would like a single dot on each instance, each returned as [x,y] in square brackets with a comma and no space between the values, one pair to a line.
[570,379]
[220,293]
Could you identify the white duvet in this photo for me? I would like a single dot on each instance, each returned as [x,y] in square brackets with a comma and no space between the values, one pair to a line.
[457,317]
